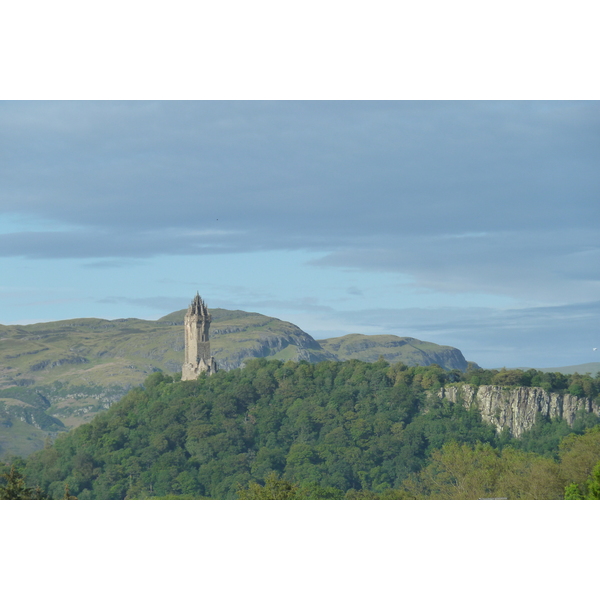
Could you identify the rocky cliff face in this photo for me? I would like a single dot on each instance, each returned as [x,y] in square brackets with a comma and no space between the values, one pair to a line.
[516,408]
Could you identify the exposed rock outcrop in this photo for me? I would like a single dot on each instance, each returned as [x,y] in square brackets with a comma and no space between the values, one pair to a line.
[516,408]
[69,360]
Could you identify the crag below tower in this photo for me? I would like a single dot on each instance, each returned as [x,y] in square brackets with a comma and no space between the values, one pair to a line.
[197,344]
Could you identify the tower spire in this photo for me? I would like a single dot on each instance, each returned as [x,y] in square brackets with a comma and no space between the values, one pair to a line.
[197,345]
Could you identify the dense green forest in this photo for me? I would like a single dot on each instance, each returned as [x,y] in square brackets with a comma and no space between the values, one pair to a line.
[323,430]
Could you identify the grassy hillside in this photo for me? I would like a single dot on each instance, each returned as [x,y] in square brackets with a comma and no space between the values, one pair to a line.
[98,354]
[19,438]
[236,335]
[410,351]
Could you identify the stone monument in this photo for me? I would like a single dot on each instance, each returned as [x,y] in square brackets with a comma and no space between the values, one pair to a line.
[197,345]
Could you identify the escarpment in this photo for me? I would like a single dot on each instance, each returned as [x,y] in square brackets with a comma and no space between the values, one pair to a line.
[516,408]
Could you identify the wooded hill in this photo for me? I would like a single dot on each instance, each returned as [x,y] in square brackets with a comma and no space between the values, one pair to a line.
[54,376]
[324,430]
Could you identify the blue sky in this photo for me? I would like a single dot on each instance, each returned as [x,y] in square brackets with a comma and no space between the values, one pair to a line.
[471,224]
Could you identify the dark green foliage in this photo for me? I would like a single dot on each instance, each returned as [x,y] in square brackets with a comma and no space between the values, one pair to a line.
[546,434]
[273,489]
[276,488]
[14,487]
[575,384]
[593,484]
[329,429]
[67,495]
[544,437]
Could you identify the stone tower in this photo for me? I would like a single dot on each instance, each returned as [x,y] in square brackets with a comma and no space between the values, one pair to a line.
[197,345]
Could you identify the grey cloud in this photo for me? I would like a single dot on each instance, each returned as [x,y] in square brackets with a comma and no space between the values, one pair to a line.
[558,265]
[307,304]
[337,167]
[105,264]
[95,244]
[396,186]
[354,291]
[173,303]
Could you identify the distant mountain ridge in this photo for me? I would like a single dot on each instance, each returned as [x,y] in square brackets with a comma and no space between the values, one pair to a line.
[57,375]
[410,351]
[592,367]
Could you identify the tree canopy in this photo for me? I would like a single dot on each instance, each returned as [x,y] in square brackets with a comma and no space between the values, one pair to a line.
[330,429]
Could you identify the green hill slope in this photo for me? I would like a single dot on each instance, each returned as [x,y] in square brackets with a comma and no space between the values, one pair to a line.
[410,351]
